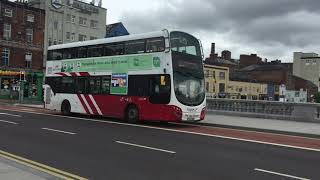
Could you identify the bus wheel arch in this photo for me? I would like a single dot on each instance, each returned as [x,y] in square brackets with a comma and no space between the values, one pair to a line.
[65,107]
[132,113]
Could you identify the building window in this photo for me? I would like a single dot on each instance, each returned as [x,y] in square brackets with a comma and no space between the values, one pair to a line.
[5,57]
[7,31]
[93,24]
[68,18]
[73,19]
[55,25]
[50,41]
[8,12]
[30,18]
[82,21]
[92,38]
[82,37]
[207,86]
[68,36]
[73,35]
[28,60]
[222,75]
[222,87]
[29,33]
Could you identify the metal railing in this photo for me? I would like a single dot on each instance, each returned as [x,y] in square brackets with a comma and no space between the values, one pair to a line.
[266,109]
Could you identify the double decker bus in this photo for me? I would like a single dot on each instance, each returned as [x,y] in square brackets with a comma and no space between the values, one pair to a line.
[155,76]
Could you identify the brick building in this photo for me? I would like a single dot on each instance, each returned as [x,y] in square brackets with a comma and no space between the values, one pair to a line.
[275,74]
[21,48]
[248,60]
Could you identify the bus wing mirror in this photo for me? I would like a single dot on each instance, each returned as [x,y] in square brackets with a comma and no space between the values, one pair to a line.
[166,40]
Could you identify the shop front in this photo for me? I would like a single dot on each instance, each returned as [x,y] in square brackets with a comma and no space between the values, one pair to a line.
[11,82]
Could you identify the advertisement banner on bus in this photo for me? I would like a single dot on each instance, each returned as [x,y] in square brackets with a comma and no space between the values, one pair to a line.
[119,83]
[133,63]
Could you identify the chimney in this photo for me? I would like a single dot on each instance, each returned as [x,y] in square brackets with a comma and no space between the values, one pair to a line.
[213,48]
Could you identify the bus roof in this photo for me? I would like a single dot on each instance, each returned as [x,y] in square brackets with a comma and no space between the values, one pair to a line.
[108,40]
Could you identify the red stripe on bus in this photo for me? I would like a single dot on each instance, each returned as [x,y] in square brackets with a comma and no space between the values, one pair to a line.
[84,74]
[93,108]
[61,74]
[83,104]
[73,74]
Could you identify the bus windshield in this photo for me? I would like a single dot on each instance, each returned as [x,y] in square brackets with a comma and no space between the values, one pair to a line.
[188,73]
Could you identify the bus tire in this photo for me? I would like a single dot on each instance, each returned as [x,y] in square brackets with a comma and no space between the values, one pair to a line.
[66,108]
[132,114]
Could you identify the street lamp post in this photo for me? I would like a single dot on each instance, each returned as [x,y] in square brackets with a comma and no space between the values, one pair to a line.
[21,81]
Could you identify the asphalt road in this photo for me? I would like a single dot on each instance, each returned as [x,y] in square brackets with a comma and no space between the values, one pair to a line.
[109,150]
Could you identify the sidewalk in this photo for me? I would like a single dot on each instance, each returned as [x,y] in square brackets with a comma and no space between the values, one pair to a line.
[12,171]
[264,124]
[26,103]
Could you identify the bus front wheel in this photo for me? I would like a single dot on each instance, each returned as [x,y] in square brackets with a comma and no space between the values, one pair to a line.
[66,108]
[132,114]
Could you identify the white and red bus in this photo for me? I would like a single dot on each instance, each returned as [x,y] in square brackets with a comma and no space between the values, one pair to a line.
[155,76]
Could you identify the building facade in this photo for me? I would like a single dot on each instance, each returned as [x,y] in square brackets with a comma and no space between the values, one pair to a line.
[296,96]
[216,78]
[246,90]
[307,66]
[71,20]
[21,47]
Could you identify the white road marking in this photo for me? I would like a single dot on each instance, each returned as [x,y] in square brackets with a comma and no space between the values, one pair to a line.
[55,130]
[7,114]
[10,122]
[172,130]
[280,174]
[146,147]
[27,109]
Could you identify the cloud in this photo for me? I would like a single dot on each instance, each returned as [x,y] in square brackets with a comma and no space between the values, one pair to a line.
[271,28]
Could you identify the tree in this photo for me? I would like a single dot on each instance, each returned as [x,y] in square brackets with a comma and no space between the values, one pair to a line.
[317,97]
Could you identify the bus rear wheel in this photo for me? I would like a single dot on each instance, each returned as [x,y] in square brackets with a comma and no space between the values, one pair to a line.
[66,108]
[132,114]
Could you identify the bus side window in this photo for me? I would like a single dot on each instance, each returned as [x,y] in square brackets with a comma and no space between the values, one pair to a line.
[95,85]
[49,57]
[95,51]
[138,85]
[67,85]
[135,47]
[82,52]
[155,45]
[55,55]
[114,49]
[160,89]
[54,83]
[82,85]
[105,85]
[70,53]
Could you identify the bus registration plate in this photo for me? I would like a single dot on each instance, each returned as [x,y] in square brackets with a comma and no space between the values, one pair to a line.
[191,117]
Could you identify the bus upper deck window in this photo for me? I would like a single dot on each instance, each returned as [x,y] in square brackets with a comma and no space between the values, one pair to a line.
[56,55]
[155,45]
[82,52]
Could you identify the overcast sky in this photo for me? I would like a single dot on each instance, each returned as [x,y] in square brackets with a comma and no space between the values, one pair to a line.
[273,29]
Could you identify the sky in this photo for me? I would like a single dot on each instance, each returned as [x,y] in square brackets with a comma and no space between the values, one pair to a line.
[273,29]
